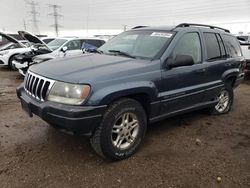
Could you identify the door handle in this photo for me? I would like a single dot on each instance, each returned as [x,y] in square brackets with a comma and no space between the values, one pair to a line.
[201,70]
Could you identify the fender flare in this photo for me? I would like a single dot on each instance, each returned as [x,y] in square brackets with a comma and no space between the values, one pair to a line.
[230,73]
[106,95]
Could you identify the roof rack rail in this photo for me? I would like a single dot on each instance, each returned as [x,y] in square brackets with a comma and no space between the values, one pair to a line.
[202,25]
[139,26]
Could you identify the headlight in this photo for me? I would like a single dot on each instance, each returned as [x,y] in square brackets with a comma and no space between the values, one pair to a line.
[67,93]
[4,53]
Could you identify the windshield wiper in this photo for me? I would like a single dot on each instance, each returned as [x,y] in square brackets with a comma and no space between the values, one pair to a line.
[122,53]
[99,51]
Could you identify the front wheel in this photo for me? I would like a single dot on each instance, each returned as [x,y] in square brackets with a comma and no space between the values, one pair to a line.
[225,100]
[122,130]
[11,65]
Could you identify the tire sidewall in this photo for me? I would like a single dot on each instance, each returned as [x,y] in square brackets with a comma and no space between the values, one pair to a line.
[107,146]
[11,66]
[229,89]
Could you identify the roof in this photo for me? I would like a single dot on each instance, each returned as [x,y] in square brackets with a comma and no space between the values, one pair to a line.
[183,26]
[160,28]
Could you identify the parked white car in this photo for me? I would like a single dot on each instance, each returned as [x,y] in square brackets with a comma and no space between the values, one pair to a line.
[15,47]
[245,46]
[60,47]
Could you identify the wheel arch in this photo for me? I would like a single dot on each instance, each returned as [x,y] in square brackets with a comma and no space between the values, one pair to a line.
[230,76]
[11,56]
[144,93]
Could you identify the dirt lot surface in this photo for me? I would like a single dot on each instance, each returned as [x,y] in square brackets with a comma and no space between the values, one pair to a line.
[191,150]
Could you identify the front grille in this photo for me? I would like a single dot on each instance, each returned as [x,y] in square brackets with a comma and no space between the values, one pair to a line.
[37,86]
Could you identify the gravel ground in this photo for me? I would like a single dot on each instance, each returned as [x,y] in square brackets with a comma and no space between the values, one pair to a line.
[192,150]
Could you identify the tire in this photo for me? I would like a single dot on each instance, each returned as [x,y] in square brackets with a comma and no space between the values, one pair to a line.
[10,65]
[227,91]
[116,126]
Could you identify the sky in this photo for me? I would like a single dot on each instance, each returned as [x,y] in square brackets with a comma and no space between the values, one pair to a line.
[89,17]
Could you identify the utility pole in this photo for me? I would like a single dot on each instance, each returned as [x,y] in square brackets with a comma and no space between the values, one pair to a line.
[34,14]
[124,27]
[24,25]
[56,16]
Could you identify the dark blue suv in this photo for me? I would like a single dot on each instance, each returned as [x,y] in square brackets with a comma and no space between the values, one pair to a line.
[139,77]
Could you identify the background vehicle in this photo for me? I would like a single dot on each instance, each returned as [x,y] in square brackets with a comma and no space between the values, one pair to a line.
[245,46]
[60,47]
[46,40]
[10,49]
[141,76]
[13,47]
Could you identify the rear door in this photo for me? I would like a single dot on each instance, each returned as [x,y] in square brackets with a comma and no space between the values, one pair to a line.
[220,57]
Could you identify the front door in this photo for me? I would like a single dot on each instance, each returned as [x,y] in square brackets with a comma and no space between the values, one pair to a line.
[182,87]
[73,48]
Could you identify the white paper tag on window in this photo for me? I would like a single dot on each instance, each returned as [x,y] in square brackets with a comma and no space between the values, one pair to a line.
[157,34]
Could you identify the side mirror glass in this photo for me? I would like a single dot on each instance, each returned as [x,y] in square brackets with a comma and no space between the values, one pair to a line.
[180,60]
[64,49]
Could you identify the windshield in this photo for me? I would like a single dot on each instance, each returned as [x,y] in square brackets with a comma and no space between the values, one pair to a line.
[138,44]
[9,46]
[55,44]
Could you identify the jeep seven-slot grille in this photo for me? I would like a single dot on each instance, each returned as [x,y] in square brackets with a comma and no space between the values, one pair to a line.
[37,86]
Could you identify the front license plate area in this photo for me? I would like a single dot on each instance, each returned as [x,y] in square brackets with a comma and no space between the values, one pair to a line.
[26,108]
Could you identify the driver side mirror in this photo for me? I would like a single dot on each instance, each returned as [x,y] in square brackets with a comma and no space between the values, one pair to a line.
[64,49]
[179,61]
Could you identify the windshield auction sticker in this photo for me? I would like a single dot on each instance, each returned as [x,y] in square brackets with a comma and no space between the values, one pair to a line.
[157,34]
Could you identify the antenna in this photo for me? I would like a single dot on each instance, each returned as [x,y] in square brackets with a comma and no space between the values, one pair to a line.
[34,13]
[56,16]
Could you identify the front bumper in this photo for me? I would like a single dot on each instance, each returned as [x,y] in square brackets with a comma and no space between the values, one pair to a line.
[22,71]
[3,60]
[77,119]
[19,65]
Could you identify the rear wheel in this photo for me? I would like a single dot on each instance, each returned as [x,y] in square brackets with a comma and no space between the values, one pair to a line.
[225,100]
[122,130]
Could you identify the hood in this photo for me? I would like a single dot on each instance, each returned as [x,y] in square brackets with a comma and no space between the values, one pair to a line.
[31,38]
[10,38]
[89,67]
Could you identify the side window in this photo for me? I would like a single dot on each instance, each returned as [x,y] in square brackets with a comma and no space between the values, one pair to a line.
[232,46]
[222,47]
[189,44]
[93,42]
[212,46]
[74,45]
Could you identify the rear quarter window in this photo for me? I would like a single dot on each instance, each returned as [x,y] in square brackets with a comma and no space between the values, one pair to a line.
[232,45]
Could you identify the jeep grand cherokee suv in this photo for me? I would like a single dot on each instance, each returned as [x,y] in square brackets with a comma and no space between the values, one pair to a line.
[141,76]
